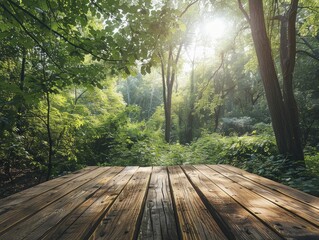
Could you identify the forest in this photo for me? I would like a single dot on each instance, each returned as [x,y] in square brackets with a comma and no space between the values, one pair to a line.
[159,82]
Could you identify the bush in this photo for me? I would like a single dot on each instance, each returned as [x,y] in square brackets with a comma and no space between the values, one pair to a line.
[13,154]
[207,149]
[263,129]
[239,126]
[312,159]
[257,154]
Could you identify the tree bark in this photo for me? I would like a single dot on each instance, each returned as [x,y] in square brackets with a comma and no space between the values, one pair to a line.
[217,111]
[168,98]
[168,79]
[282,106]
[190,116]
[21,107]
[50,141]
[288,56]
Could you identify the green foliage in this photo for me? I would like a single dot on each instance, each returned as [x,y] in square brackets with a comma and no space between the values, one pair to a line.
[13,153]
[312,159]
[207,148]
[214,148]
[75,54]
[256,154]
[262,128]
[236,125]
[143,91]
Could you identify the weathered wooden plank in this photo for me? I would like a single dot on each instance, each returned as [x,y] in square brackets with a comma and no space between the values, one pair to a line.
[123,218]
[236,219]
[281,221]
[32,192]
[108,204]
[299,208]
[195,221]
[21,212]
[84,219]
[294,193]
[36,225]
[158,220]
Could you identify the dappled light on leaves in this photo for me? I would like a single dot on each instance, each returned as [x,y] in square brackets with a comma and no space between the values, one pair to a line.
[159,83]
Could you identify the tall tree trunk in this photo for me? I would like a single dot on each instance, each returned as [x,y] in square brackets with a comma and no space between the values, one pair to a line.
[167,94]
[50,141]
[287,60]
[282,107]
[217,112]
[168,113]
[21,108]
[190,117]
[151,103]
[168,79]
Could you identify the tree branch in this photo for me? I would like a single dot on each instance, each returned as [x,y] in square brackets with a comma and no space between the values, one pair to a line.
[308,44]
[313,56]
[227,91]
[60,35]
[78,97]
[188,6]
[29,34]
[211,78]
[242,9]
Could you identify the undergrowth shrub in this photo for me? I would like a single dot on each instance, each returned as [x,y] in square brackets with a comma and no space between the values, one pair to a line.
[239,126]
[207,149]
[258,154]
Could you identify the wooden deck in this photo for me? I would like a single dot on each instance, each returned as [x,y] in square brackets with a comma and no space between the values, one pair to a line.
[178,202]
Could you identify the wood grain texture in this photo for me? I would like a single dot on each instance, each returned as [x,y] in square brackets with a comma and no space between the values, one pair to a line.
[238,222]
[20,213]
[195,221]
[36,225]
[39,189]
[301,209]
[281,221]
[83,221]
[294,193]
[158,220]
[176,202]
[123,218]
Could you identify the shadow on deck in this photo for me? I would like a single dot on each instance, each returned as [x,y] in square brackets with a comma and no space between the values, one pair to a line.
[176,202]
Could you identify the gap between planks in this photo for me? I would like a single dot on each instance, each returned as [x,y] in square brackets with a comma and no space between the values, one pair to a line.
[176,202]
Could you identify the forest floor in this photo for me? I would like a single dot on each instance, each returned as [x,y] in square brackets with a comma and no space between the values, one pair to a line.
[21,179]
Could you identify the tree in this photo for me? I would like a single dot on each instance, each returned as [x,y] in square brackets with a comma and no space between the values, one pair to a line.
[168,69]
[143,91]
[79,44]
[169,56]
[282,105]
